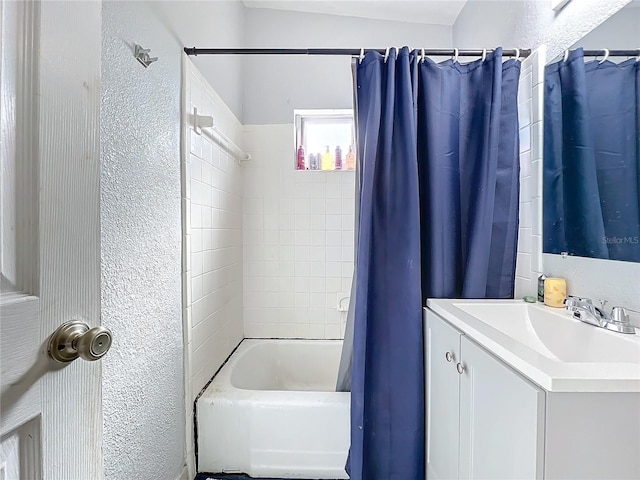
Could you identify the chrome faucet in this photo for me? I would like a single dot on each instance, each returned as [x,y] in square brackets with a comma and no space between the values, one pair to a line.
[618,320]
[620,316]
[583,309]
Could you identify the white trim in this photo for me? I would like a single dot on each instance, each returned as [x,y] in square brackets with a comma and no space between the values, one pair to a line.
[184,475]
[329,112]
[186,253]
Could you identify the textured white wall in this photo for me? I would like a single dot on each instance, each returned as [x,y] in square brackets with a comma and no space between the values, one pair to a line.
[298,235]
[212,246]
[529,23]
[143,388]
[274,86]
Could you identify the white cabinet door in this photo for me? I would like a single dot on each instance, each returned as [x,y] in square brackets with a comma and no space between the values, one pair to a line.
[50,414]
[442,352]
[501,420]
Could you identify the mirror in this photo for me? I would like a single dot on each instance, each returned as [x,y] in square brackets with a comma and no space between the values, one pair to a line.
[591,185]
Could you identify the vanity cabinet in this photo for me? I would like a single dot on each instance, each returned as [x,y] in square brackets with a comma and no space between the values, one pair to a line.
[483,419]
[497,408]
[442,352]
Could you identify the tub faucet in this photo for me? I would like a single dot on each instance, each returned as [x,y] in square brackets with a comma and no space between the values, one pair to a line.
[618,320]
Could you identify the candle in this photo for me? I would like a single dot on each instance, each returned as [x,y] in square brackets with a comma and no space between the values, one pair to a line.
[555,292]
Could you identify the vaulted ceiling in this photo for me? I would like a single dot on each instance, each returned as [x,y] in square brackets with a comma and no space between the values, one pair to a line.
[438,12]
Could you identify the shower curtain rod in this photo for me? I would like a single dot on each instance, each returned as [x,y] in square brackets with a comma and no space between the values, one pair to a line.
[612,53]
[345,51]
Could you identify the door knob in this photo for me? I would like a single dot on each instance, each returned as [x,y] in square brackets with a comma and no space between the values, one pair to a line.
[449,357]
[75,339]
[460,368]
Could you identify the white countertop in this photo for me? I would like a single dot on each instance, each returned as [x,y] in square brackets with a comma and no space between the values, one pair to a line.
[547,345]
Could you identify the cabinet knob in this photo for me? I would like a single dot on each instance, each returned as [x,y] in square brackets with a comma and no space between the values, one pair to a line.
[460,368]
[449,357]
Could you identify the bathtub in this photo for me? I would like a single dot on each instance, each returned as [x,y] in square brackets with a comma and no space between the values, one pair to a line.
[272,412]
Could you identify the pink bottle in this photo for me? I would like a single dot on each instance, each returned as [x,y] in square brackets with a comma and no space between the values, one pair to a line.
[338,158]
[351,159]
[300,158]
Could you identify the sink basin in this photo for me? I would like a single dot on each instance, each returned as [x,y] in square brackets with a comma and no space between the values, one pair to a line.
[555,333]
[548,345]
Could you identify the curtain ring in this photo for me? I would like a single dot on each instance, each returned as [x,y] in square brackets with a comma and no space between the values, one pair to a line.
[386,55]
[456,52]
[484,54]
[566,55]
[606,55]
[422,55]
[517,54]
[361,54]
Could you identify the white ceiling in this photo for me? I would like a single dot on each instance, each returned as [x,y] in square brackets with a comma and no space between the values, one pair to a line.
[438,12]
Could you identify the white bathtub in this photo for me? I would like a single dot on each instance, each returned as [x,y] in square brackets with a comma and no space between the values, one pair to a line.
[272,412]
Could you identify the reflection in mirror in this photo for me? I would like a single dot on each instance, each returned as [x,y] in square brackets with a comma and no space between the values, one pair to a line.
[592,145]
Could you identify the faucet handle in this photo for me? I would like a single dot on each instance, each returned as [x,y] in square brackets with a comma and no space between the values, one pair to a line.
[572,301]
[619,315]
[579,299]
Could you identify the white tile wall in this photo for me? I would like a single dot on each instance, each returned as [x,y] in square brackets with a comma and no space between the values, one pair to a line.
[530,115]
[212,247]
[298,241]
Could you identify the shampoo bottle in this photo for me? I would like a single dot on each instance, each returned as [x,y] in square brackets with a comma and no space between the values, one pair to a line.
[351,159]
[327,160]
[338,158]
[300,158]
[313,162]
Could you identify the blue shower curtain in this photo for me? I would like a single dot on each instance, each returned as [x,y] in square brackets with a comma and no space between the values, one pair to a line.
[387,431]
[438,159]
[592,158]
[468,149]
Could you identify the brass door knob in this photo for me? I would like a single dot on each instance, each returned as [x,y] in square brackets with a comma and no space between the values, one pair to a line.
[75,339]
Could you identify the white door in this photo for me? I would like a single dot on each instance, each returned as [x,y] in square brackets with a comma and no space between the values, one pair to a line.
[442,345]
[51,415]
[501,420]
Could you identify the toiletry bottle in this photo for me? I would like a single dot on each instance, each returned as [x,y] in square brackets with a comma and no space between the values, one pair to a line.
[351,159]
[338,158]
[541,280]
[327,160]
[319,160]
[313,162]
[300,158]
